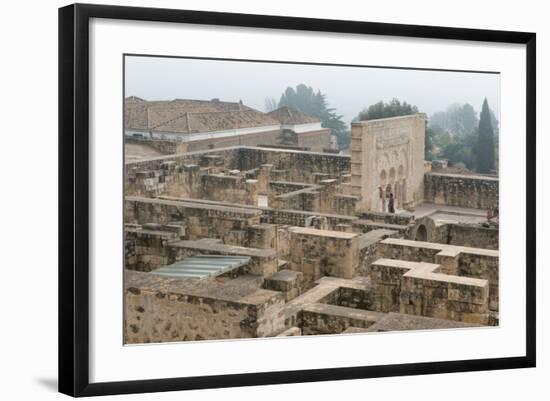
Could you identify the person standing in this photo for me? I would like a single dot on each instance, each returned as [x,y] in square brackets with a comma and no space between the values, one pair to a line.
[391,207]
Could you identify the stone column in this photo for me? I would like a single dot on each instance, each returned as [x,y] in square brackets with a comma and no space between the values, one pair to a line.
[251,192]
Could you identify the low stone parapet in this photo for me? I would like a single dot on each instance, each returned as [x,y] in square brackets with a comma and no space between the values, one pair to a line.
[459,260]
[420,288]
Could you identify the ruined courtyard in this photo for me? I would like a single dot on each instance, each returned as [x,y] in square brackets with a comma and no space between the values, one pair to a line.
[270,240]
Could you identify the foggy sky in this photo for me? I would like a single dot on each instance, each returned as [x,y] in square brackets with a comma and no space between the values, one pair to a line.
[348,89]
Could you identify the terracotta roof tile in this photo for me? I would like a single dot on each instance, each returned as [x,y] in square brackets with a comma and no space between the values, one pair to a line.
[291,116]
[190,116]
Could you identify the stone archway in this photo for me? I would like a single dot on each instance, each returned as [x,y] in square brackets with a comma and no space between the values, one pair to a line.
[421,233]
[388,190]
[392,175]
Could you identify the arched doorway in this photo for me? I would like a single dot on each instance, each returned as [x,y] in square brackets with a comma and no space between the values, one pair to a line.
[392,175]
[421,233]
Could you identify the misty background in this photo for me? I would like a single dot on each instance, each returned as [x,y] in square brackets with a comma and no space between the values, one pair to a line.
[348,89]
[452,100]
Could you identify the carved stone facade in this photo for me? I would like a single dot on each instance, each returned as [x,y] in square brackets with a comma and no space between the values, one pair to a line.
[387,157]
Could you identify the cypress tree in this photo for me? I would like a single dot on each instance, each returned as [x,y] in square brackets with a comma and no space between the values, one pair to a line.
[485,151]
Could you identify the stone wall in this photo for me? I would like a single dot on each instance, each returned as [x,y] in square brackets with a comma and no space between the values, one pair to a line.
[229,188]
[473,235]
[146,246]
[253,139]
[181,175]
[315,141]
[344,204]
[288,282]
[159,309]
[318,253]
[272,215]
[387,218]
[311,198]
[307,199]
[165,147]
[388,152]
[169,179]
[350,297]
[299,218]
[227,157]
[277,188]
[298,166]
[332,319]
[419,288]
[263,236]
[471,191]
[455,260]
[368,248]
[460,234]
[211,219]
[202,220]
[326,291]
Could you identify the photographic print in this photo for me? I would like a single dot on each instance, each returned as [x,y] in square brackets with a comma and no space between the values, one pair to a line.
[269,211]
[275,199]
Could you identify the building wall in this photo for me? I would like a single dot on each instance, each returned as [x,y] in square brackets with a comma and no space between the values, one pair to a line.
[165,147]
[142,210]
[421,289]
[169,179]
[215,135]
[299,218]
[229,158]
[473,235]
[315,141]
[313,138]
[202,221]
[253,139]
[232,189]
[162,313]
[456,260]
[478,192]
[388,151]
[318,253]
[298,166]
[460,234]
[344,204]
[299,128]
[331,319]
[368,249]
[145,249]
[179,175]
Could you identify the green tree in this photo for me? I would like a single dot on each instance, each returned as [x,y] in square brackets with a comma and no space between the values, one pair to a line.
[384,110]
[457,119]
[428,143]
[485,149]
[394,109]
[304,98]
[460,151]
[441,137]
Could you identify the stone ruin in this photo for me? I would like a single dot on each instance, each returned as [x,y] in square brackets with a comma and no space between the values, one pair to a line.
[245,242]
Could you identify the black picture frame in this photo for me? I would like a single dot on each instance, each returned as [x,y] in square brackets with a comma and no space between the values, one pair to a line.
[74,198]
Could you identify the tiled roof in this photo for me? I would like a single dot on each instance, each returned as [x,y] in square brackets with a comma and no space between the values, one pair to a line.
[134,99]
[291,116]
[191,116]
